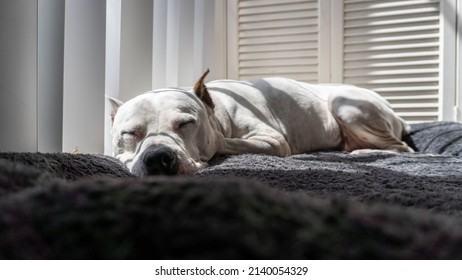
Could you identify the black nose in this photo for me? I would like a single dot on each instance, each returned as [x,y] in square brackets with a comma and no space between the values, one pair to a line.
[159,160]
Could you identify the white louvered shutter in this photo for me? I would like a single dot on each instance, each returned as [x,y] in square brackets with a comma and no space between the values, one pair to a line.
[277,38]
[392,47]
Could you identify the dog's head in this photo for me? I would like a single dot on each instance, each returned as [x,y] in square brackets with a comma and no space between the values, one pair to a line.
[165,132]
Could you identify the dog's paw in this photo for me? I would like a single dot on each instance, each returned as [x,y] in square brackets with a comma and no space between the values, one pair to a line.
[370,151]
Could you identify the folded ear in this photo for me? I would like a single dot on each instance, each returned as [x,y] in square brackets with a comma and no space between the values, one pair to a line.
[201,90]
[115,103]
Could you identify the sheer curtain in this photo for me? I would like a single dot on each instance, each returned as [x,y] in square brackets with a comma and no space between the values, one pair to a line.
[18,75]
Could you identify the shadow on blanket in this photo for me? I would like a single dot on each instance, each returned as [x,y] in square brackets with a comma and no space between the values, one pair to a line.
[326,205]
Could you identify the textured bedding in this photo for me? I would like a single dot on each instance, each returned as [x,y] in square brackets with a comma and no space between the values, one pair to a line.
[323,205]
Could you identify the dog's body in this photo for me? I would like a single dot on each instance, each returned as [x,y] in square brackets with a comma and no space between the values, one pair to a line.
[173,131]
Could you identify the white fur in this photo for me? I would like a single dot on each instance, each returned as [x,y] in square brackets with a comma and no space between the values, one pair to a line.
[274,116]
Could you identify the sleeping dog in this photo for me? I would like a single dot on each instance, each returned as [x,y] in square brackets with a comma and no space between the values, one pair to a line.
[174,131]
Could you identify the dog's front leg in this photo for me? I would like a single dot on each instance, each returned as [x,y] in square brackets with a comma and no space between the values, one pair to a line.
[256,145]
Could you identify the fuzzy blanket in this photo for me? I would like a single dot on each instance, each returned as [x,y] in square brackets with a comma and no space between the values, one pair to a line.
[325,205]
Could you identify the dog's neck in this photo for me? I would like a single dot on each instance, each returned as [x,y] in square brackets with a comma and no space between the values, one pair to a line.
[214,122]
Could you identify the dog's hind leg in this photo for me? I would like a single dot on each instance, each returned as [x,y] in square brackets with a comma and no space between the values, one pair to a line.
[367,122]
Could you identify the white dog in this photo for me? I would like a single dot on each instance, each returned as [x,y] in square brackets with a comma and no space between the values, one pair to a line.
[174,131]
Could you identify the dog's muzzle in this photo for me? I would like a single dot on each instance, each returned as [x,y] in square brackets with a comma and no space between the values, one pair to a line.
[158,160]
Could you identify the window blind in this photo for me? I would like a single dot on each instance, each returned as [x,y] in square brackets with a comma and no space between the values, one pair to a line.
[392,47]
[278,38]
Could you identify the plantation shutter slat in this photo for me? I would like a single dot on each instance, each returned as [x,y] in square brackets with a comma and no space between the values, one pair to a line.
[278,38]
[392,47]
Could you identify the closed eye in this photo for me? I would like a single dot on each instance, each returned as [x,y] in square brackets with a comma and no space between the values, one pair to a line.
[186,123]
[129,133]
[137,131]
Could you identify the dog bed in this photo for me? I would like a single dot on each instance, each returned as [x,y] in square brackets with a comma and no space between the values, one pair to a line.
[323,205]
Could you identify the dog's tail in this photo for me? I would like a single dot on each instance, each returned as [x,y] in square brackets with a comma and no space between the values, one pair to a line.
[406,127]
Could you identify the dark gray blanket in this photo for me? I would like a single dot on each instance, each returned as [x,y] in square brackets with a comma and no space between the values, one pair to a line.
[429,179]
[319,205]
[417,180]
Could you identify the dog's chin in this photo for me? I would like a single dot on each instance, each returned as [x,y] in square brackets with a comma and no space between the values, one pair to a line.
[186,167]
[190,167]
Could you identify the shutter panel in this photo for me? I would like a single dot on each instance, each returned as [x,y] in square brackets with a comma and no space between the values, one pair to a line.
[392,47]
[278,38]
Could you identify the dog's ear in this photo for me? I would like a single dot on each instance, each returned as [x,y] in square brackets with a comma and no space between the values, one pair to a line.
[201,90]
[115,103]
